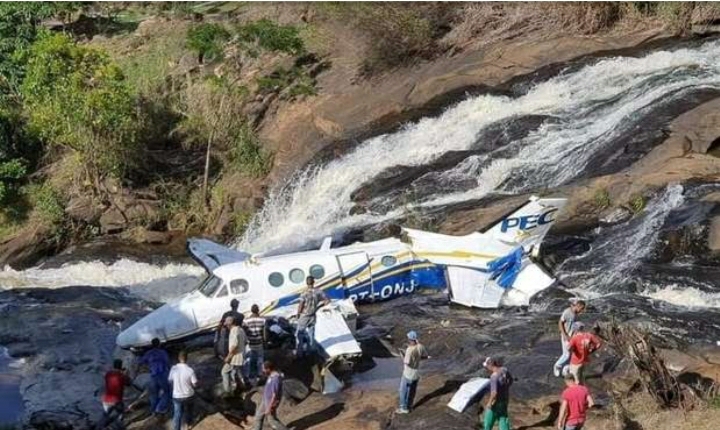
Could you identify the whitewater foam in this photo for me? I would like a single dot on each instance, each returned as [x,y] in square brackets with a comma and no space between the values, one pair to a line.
[121,273]
[590,107]
[688,297]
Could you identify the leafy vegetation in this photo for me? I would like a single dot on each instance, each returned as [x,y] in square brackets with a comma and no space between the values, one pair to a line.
[77,101]
[270,36]
[636,204]
[602,198]
[207,40]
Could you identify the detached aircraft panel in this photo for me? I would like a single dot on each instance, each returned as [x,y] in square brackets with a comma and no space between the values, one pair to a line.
[212,255]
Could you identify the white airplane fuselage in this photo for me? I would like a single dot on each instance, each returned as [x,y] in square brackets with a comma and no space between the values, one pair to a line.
[363,272]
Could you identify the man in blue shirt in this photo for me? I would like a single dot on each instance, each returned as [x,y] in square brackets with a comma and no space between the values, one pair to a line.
[267,409]
[158,362]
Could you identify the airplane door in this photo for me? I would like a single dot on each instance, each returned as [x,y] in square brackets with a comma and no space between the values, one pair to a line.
[355,270]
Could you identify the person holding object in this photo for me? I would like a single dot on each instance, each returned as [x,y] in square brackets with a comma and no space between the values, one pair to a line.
[565,324]
[411,372]
[496,408]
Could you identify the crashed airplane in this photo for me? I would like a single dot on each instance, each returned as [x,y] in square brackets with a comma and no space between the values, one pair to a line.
[478,270]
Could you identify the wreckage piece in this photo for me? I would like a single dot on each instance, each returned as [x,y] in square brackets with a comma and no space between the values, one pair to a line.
[467,393]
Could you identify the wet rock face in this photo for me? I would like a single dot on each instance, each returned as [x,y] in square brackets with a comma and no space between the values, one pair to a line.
[67,339]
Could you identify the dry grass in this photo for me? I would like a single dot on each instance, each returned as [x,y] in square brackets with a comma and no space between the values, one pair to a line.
[644,410]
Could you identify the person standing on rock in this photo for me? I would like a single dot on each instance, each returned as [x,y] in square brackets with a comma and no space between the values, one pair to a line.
[411,372]
[223,331]
[568,317]
[255,329]
[158,361]
[112,399]
[310,301]
[496,408]
[232,369]
[576,400]
[183,380]
[581,345]
[267,409]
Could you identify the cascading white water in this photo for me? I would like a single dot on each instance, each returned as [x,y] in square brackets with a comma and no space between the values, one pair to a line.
[620,249]
[592,106]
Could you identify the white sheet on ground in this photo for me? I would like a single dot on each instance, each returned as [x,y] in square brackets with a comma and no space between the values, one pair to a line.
[467,392]
[332,333]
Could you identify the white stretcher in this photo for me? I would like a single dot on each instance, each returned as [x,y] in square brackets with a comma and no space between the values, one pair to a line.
[467,392]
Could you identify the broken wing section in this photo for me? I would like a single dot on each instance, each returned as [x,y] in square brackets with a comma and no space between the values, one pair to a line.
[335,330]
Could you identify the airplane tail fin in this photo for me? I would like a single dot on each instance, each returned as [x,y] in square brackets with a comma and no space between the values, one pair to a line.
[528,225]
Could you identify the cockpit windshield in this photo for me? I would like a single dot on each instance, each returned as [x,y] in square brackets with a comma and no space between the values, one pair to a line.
[210,285]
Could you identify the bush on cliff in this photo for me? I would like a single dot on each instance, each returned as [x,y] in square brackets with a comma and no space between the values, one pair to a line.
[77,101]
[206,40]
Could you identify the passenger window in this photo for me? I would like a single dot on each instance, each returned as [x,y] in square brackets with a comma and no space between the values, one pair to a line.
[238,286]
[317,271]
[223,292]
[276,279]
[297,275]
[388,261]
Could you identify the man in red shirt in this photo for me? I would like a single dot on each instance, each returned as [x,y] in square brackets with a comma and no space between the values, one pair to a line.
[112,398]
[576,400]
[581,345]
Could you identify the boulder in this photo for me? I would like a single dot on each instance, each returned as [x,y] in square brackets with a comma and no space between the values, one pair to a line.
[83,208]
[112,221]
[25,248]
[615,216]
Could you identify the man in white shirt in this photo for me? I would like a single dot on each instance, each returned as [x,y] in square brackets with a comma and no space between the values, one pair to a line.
[183,381]
[232,369]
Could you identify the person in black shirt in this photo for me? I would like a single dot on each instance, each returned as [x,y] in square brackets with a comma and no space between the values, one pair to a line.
[222,332]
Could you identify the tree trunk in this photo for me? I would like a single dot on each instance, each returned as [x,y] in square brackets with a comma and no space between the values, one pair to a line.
[211,137]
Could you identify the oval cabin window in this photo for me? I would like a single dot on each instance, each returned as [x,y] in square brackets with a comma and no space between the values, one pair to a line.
[297,276]
[388,261]
[317,271]
[276,279]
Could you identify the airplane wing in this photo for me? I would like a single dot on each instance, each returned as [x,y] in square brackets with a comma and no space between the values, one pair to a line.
[211,255]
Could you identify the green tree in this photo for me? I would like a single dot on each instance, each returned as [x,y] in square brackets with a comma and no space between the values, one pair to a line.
[77,100]
[207,40]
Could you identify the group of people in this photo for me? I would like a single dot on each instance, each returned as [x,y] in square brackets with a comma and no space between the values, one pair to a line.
[239,343]
[577,346]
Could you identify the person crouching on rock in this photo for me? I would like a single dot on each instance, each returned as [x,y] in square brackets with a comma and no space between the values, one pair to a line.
[232,369]
[310,301]
[158,361]
[112,400]
[581,345]
[576,400]
[183,380]
[411,372]
[567,319]
[267,409]
[496,408]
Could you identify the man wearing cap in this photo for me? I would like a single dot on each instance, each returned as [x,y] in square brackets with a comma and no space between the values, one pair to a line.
[496,408]
[411,372]
[581,345]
